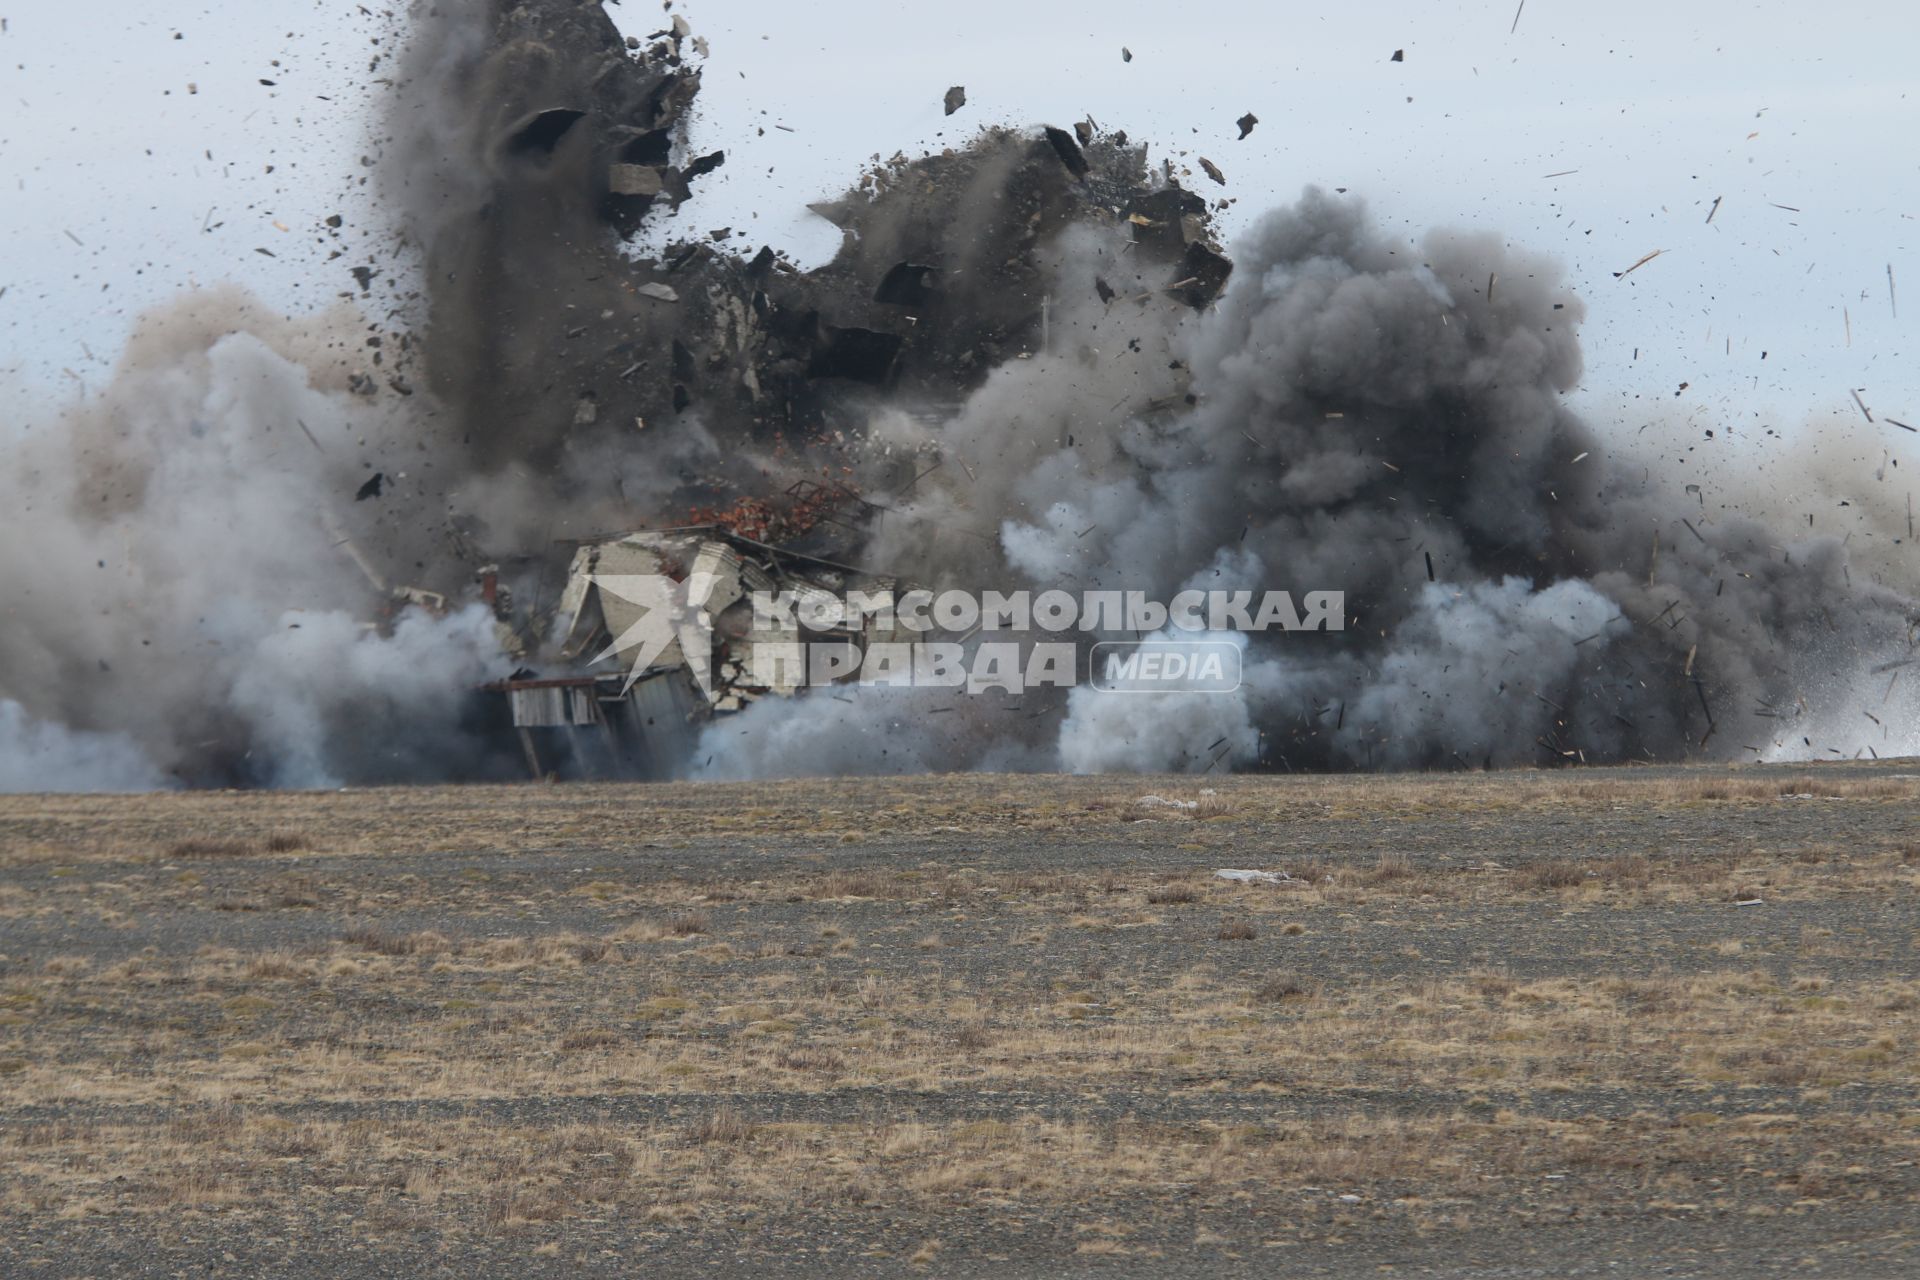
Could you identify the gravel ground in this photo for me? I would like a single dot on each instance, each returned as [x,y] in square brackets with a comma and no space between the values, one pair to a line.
[1644,1022]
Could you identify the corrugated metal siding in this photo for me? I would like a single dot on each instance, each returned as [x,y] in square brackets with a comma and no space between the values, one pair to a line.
[554,706]
[537,708]
[667,716]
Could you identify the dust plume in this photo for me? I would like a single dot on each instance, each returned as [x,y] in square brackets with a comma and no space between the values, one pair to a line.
[258,556]
[1389,421]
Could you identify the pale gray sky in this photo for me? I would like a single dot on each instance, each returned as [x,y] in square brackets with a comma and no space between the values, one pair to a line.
[1656,108]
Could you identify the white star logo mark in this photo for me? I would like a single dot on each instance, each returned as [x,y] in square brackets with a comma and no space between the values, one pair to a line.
[667,614]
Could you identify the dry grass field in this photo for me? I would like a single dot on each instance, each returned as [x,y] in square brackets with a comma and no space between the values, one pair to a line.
[1514,1024]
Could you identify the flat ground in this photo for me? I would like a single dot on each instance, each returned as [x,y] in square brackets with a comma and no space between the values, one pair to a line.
[1579,1023]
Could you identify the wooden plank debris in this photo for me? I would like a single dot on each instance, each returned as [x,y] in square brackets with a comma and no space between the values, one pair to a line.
[1644,260]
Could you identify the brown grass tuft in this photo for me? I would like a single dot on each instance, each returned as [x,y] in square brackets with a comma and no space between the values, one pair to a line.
[1555,873]
[687,923]
[425,943]
[205,848]
[723,1126]
[591,1038]
[1390,868]
[1280,987]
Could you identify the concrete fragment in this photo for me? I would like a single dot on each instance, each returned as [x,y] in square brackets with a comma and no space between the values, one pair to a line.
[633,180]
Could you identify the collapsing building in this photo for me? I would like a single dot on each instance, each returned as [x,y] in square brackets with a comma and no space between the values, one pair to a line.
[1025,352]
[696,381]
[656,633]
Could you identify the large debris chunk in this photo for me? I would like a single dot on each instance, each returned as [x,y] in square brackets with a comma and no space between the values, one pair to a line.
[860,355]
[907,284]
[1203,274]
[1167,219]
[541,132]
[956,98]
[1068,150]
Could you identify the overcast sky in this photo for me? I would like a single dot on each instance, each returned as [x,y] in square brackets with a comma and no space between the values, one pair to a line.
[137,164]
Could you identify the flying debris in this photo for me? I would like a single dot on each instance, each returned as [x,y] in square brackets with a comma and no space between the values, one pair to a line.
[956,98]
[1246,123]
[1641,262]
[1027,364]
[1068,150]
[635,180]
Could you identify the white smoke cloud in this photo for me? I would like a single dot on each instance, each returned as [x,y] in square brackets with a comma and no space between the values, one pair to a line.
[38,756]
[1477,668]
[180,586]
[874,730]
[325,697]
[1170,730]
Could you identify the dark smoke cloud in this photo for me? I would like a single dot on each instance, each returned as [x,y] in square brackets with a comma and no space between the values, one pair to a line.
[194,595]
[1365,409]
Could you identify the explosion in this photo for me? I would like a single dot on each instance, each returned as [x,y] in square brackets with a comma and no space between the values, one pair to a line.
[294,554]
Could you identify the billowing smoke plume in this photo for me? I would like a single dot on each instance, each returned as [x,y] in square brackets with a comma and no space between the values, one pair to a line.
[1388,421]
[253,558]
[184,600]
[38,756]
